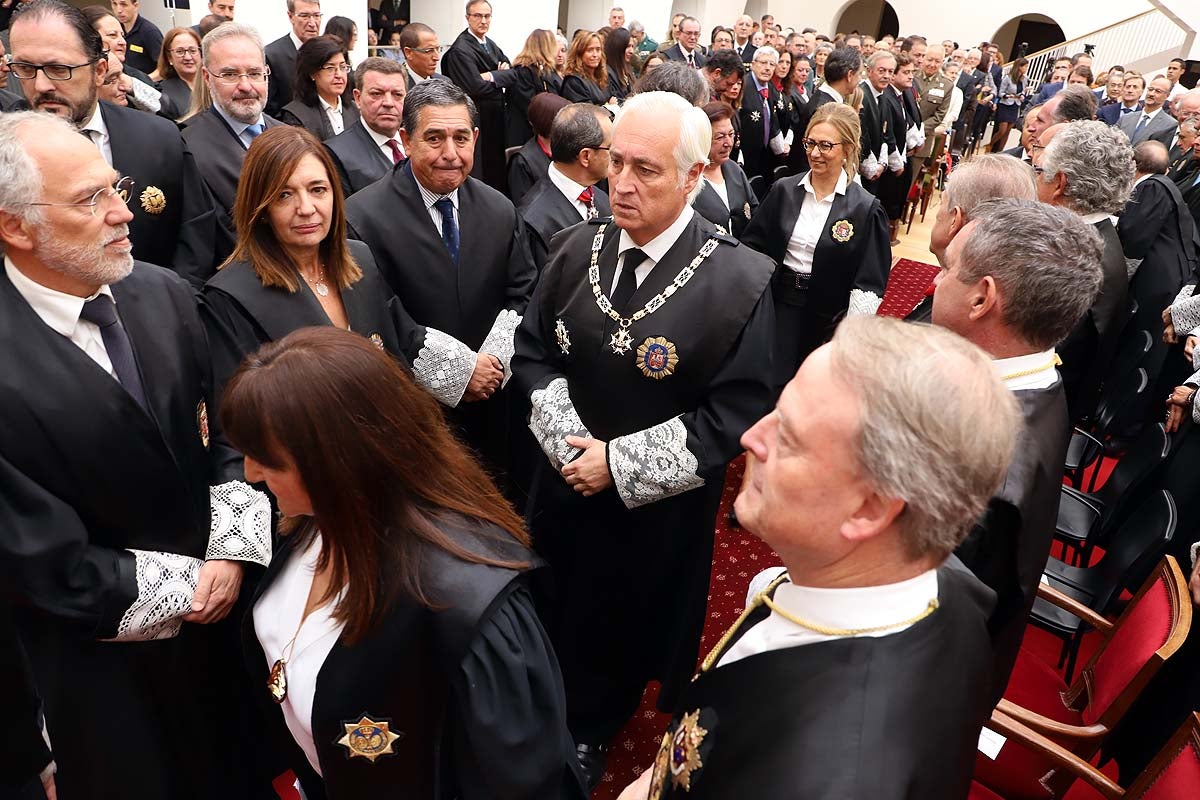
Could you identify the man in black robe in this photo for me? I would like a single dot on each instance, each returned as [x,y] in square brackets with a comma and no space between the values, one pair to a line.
[453,250]
[568,193]
[878,139]
[365,152]
[1018,297]
[26,764]
[123,514]
[760,115]
[861,667]
[304,16]
[174,224]
[644,355]
[472,53]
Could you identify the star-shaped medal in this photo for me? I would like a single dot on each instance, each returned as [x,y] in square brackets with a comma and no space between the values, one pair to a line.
[755,116]
[368,739]
[621,342]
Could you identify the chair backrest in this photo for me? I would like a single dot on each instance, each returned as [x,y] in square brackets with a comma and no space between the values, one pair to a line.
[1120,397]
[906,287]
[759,184]
[782,171]
[1134,548]
[1175,771]
[509,152]
[1150,630]
[1120,492]
[1131,352]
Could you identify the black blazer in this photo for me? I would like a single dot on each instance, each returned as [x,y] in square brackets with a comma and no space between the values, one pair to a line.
[527,167]
[616,88]
[583,90]
[546,211]
[315,120]
[281,58]
[742,201]
[178,92]
[756,156]
[1156,228]
[521,85]
[11,102]
[675,53]
[358,160]
[877,124]
[463,63]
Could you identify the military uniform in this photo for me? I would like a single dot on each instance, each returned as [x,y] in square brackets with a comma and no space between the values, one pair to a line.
[934,101]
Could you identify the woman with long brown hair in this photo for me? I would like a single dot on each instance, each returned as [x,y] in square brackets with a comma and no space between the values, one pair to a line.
[586,80]
[619,49]
[178,65]
[293,267]
[533,72]
[394,630]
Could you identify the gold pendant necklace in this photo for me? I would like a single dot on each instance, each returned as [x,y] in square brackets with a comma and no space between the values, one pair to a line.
[277,682]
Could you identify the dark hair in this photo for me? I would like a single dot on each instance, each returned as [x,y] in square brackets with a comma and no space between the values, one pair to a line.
[614,53]
[341,27]
[1075,103]
[907,45]
[270,162]
[410,36]
[89,39]
[726,62]
[385,66]
[311,56]
[96,13]
[1179,61]
[677,77]
[1084,72]
[717,111]
[842,62]
[380,465]
[575,127]
[1075,58]
[542,109]
[209,24]
[436,92]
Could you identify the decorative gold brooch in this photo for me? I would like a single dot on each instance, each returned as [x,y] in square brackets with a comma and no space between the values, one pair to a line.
[368,739]
[153,200]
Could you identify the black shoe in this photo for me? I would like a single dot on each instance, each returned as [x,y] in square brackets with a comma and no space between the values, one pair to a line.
[592,760]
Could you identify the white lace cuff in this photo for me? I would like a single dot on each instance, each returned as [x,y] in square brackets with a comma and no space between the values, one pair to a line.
[1185,314]
[653,464]
[240,528]
[499,341]
[166,583]
[444,367]
[895,161]
[552,418]
[862,302]
[869,166]
[1187,291]
[777,144]
[146,97]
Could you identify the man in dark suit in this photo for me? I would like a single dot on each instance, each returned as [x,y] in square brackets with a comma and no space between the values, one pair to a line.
[174,223]
[305,18]
[453,250]
[722,70]
[11,102]
[1153,122]
[472,53]
[878,133]
[761,114]
[687,48]
[219,136]
[421,52]
[1131,100]
[842,69]
[365,152]
[743,35]
[567,194]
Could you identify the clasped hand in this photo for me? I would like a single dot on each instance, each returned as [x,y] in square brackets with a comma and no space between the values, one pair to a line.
[1179,405]
[485,379]
[589,473]
[217,591]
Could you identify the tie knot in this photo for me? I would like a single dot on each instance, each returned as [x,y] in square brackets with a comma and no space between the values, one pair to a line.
[764,93]
[397,153]
[586,196]
[100,310]
[254,130]
[444,205]
[634,259]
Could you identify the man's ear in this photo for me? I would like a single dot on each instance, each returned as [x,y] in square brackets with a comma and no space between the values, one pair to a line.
[874,515]
[15,232]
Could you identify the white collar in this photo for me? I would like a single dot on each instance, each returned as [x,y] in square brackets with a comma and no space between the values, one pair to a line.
[871,89]
[1043,375]
[327,107]
[96,123]
[570,189]
[1151,114]
[1095,216]
[685,51]
[482,40]
[59,310]
[657,248]
[295,40]
[832,92]
[430,198]
[1138,182]
[238,127]
[842,183]
[857,607]
[416,78]
[378,137]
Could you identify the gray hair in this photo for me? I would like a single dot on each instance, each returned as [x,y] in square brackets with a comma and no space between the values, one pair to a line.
[826,46]
[1151,157]
[988,177]
[1075,103]
[576,127]
[1047,280]
[22,184]
[635,27]
[675,77]
[695,131]
[435,92]
[879,55]
[1190,125]
[937,425]
[1097,162]
[229,30]
[766,50]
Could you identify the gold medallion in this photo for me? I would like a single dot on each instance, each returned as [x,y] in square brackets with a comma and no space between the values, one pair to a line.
[368,739]
[685,750]
[842,230]
[202,423]
[277,683]
[656,358]
[661,769]
[563,336]
[153,200]
[376,340]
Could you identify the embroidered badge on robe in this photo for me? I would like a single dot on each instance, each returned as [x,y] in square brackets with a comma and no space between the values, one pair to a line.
[656,358]
[746,210]
[779,105]
[368,739]
[153,200]
[682,752]
[376,340]
[563,337]
[843,230]
[202,423]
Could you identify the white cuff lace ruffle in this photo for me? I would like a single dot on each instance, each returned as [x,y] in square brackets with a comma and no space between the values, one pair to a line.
[499,341]
[653,464]
[863,302]
[444,367]
[552,418]
[240,528]
[166,583]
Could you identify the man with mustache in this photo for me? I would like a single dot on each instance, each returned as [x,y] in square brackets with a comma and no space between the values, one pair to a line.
[60,62]
[125,526]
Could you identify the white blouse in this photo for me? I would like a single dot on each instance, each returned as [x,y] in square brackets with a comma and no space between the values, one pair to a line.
[721,191]
[810,224]
[276,617]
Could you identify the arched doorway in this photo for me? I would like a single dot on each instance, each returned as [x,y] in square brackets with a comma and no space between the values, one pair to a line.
[869,17]
[1035,31]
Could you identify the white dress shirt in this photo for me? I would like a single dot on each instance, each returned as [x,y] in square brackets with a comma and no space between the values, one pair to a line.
[334,113]
[430,198]
[655,249]
[381,141]
[416,78]
[97,131]
[810,224]
[239,128]
[61,312]
[1038,368]
[277,616]
[1148,116]
[859,607]
[832,92]
[720,188]
[570,189]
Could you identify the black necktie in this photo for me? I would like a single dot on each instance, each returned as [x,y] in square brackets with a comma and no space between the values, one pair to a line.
[449,227]
[627,283]
[103,312]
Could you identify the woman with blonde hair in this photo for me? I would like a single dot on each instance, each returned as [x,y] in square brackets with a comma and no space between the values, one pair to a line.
[834,259]
[586,80]
[533,72]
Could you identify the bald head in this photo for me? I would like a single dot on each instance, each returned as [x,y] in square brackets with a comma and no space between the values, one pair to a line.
[1151,158]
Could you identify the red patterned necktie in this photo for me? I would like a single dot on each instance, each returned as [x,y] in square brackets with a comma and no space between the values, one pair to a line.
[587,197]
[397,153]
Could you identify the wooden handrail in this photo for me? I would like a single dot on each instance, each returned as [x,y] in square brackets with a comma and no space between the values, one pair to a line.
[1063,43]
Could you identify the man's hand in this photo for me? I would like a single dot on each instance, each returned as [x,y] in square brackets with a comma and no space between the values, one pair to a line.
[1194,584]
[220,582]
[639,789]
[485,379]
[1179,407]
[1169,336]
[588,474]
[1189,347]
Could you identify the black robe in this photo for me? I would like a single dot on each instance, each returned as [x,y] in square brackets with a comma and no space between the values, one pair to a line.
[359,161]
[521,85]
[546,211]
[742,201]
[845,273]
[757,158]
[893,188]
[893,717]
[314,120]
[1007,549]
[463,63]
[631,563]
[528,166]
[281,58]
[585,90]
[96,492]
[26,752]
[878,130]
[472,689]
[797,159]
[179,92]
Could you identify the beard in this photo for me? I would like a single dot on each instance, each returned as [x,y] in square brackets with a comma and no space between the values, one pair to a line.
[78,112]
[245,110]
[93,263]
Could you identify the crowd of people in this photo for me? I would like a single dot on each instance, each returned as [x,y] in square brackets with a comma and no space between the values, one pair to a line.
[365,425]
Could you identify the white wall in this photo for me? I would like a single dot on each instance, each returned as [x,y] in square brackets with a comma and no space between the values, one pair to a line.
[512,20]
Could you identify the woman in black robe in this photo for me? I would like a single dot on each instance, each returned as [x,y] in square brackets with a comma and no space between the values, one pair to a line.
[725,198]
[322,77]
[532,73]
[393,643]
[529,164]
[586,80]
[178,64]
[619,50]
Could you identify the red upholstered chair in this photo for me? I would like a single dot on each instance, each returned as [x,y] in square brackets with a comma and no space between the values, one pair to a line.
[1078,717]
[906,287]
[1174,774]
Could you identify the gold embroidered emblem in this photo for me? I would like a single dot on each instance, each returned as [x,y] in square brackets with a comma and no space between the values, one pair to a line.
[563,336]
[842,230]
[376,340]
[661,768]
[153,200]
[202,423]
[368,739]
[656,358]
[685,750]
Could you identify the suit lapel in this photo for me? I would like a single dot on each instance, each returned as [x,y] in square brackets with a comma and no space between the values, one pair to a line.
[791,201]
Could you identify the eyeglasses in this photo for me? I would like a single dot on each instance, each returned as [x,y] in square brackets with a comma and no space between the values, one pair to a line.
[812,144]
[309,16]
[424,50]
[122,189]
[480,17]
[335,69]
[185,51]
[229,77]
[55,72]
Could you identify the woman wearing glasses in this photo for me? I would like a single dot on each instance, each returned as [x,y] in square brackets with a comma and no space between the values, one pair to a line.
[178,64]
[726,198]
[322,74]
[828,237]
